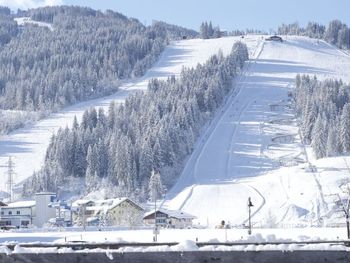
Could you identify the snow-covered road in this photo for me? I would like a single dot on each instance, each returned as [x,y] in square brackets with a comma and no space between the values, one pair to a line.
[243,152]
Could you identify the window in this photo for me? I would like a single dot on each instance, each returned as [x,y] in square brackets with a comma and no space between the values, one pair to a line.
[18,212]
[2,213]
[10,212]
[25,223]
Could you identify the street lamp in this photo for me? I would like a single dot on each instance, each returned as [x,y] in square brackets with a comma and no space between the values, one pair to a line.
[155,231]
[250,204]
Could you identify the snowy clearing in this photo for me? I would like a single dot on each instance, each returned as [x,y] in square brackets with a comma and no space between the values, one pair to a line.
[21,21]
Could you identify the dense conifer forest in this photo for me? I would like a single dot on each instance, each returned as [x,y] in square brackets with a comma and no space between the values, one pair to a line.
[86,54]
[152,131]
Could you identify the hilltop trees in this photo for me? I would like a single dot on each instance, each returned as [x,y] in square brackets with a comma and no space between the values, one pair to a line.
[324,111]
[336,33]
[207,31]
[152,131]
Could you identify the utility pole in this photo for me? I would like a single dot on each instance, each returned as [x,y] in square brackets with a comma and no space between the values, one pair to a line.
[10,174]
[250,204]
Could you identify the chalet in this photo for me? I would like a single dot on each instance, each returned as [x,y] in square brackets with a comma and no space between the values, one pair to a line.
[113,212]
[169,218]
[274,38]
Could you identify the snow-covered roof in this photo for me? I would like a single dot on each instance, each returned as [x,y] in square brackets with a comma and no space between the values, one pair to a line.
[104,204]
[172,213]
[21,204]
[81,202]
[45,193]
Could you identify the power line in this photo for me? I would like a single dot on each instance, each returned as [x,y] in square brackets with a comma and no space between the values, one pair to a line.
[10,173]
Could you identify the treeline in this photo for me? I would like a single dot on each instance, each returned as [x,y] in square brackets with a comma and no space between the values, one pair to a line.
[85,55]
[324,111]
[207,30]
[153,130]
[336,33]
[8,27]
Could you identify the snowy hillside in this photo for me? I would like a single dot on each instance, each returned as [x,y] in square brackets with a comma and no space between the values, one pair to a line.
[27,146]
[253,149]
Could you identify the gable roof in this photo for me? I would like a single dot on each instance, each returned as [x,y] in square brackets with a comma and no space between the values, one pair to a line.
[21,204]
[172,214]
[2,204]
[104,205]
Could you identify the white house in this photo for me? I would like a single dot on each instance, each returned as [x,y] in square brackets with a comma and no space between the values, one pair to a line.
[17,214]
[169,218]
[25,213]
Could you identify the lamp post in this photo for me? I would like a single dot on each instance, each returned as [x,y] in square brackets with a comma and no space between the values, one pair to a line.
[250,204]
[155,231]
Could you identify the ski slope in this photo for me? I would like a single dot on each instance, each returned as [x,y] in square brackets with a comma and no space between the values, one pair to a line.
[252,148]
[27,146]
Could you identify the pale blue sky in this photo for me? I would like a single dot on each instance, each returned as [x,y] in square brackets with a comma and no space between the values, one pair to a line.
[228,14]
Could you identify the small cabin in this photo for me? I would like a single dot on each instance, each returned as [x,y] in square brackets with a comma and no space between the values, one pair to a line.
[274,38]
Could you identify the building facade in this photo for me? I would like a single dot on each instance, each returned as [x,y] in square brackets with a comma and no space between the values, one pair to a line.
[27,213]
[109,212]
[169,218]
[18,214]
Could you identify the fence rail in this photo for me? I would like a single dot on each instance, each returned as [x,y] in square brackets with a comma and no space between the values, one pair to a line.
[107,245]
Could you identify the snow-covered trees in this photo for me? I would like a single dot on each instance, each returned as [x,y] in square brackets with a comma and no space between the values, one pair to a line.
[324,111]
[208,31]
[345,128]
[335,33]
[155,186]
[85,55]
[151,131]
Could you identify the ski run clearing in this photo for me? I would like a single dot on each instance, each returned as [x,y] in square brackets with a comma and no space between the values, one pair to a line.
[251,148]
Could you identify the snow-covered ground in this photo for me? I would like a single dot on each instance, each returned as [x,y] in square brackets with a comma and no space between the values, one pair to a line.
[177,235]
[253,149]
[27,146]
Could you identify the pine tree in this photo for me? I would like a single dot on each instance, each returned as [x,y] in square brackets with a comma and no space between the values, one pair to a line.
[155,186]
[319,138]
[332,148]
[345,128]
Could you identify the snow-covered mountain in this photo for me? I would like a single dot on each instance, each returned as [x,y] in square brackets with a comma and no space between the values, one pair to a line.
[252,148]
[27,146]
